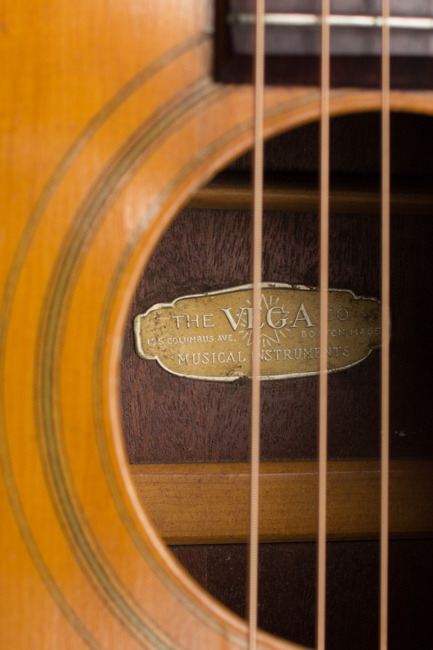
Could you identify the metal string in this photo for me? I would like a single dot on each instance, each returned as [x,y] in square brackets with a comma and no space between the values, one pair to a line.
[385,300]
[324,285]
[257,292]
[336,20]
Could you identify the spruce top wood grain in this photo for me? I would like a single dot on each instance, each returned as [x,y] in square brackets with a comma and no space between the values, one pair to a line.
[110,121]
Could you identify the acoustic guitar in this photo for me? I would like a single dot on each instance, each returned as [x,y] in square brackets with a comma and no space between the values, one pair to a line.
[112,119]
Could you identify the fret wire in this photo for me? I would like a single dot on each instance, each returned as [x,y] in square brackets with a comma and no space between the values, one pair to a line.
[385,309]
[257,290]
[324,286]
[334,20]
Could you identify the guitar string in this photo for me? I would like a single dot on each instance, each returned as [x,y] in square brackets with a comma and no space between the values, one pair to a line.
[324,282]
[257,290]
[324,286]
[385,309]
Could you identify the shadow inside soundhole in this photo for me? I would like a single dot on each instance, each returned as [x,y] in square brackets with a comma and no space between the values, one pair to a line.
[168,419]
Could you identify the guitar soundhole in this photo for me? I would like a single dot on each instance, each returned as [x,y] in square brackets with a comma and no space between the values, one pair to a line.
[171,419]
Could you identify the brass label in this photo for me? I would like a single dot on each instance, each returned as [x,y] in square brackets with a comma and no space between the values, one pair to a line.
[209,336]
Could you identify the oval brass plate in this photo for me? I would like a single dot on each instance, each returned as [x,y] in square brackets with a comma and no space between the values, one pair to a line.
[209,336]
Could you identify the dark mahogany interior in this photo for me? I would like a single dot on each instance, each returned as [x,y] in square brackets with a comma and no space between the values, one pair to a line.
[172,419]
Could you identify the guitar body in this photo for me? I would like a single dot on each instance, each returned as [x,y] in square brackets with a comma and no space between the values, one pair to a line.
[110,121]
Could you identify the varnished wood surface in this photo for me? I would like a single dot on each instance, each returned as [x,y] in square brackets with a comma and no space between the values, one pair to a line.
[207,503]
[296,192]
[110,121]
